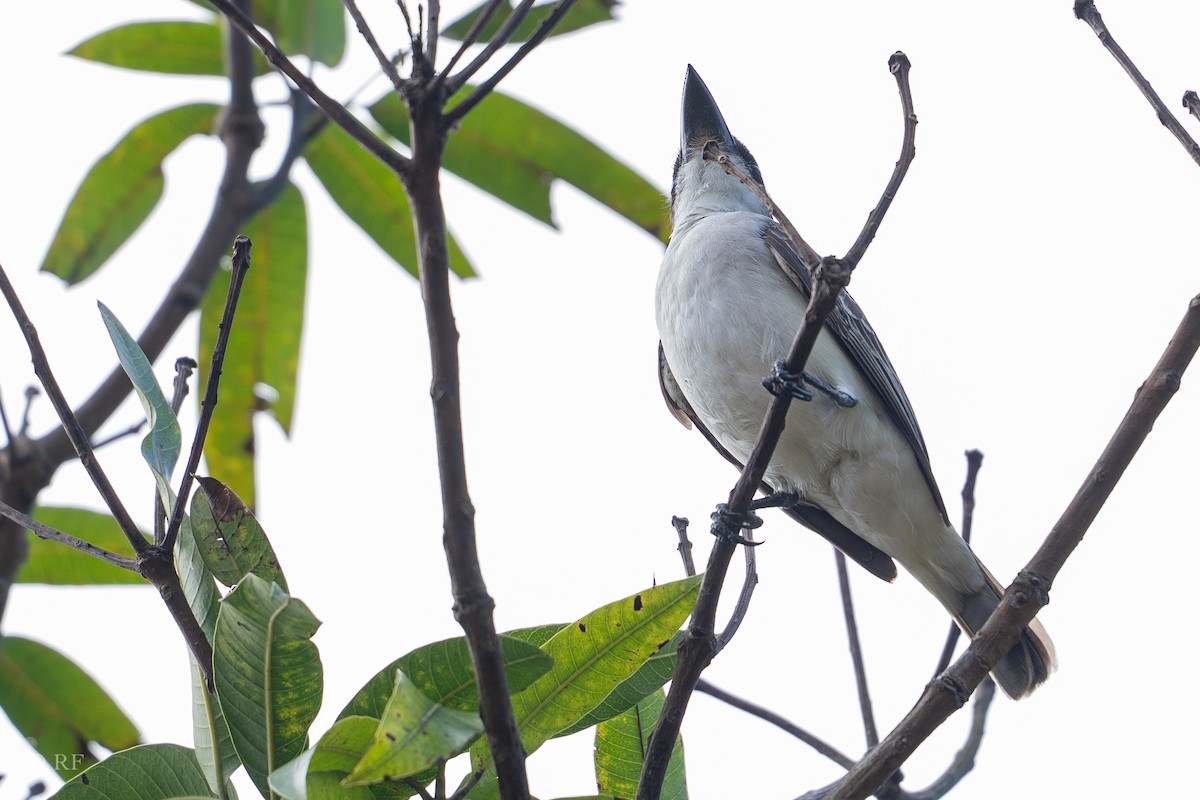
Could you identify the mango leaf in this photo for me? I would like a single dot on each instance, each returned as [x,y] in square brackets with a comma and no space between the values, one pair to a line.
[148,772]
[264,345]
[444,673]
[161,446]
[591,658]
[371,195]
[582,14]
[52,563]
[649,678]
[120,191]
[514,152]
[267,673]
[214,746]
[175,47]
[313,28]
[229,538]
[414,734]
[621,744]
[334,758]
[58,707]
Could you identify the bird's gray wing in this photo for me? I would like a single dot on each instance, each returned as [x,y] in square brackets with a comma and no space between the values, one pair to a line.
[870,557]
[849,326]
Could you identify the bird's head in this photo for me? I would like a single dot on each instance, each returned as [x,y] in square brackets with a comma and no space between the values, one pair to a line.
[703,186]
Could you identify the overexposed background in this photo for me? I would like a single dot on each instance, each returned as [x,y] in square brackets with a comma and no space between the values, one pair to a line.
[1032,268]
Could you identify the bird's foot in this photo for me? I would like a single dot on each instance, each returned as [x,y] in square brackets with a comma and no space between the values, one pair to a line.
[776,500]
[728,525]
[781,382]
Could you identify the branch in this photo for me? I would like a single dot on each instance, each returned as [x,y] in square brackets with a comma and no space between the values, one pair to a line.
[1030,591]
[364,29]
[856,655]
[765,714]
[241,265]
[43,531]
[1191,101]
[473,606]
[472,35]
[1086,11]
[974,463]
[485,88]
[829,277]
[332,108]
[514,18]
[79,439]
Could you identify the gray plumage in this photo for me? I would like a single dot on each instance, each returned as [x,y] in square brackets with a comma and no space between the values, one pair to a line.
[730,297]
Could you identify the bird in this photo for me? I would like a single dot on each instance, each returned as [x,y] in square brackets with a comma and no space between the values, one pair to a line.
[851,463]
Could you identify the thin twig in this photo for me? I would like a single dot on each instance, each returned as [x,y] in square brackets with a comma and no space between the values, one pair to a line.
[515,17]
[431,37]
[364,29]
[241,265]
[685,544]
[31,394]
[765,714]
[43,531]
[472,35]
[696,650]
[974,463]
[332,108]
[1086,11]
[964,759]
[1030,591]
[856,655]
[10,438]
[742,607]
[121,434]
[83,448]
[484,89]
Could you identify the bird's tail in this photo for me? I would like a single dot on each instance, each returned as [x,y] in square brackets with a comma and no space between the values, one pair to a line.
[1029,662]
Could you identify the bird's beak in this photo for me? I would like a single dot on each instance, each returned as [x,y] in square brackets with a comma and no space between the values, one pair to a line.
[701,119]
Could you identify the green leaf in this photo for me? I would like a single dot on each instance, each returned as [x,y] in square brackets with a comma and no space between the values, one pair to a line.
[334,758]
[210,733]
[53,563]
[591,658]
[161,446]
[444,673]
[229,538]
[621,744]
[175,47]
[514,151]
[264,345]
[582,14]
[57,706]
[414,734]
[267,673]
[371,195]
[120,191]
[313,28]
[148,772]
[649,678]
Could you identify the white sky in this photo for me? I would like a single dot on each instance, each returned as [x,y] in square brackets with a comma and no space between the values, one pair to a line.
[1029,274]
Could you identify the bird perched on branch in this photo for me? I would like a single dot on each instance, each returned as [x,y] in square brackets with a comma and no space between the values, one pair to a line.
[851,463]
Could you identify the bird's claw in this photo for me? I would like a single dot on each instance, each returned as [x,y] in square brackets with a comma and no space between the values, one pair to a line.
[728,525]
[781,382]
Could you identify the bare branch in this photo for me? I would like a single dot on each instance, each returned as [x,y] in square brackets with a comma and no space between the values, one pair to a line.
[472,36]
[742,606]
[485,88]
[43,531]
[1086,11]
[515,17]
[364,29]
[974,463]
[79,439]
[1030,591]
[241,265]
[685,544]
[332,108]
[856,655]
[432,33]
[765,714]
[1191,101]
